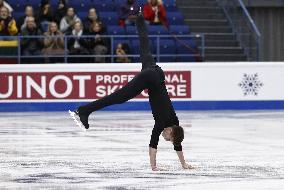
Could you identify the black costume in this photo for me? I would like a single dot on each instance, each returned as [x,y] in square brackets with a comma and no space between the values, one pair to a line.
[152,78]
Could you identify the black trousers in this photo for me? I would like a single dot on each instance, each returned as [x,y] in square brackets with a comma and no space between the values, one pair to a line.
[151,77]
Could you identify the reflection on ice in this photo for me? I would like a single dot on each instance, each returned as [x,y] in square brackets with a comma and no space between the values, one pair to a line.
[229,150]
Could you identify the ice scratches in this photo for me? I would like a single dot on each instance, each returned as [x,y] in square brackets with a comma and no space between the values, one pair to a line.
[121,188]
[230,150]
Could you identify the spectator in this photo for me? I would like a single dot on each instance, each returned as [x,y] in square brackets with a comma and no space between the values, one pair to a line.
[77,45]
[53,43]
[122,50]
[68,21]
[155,13]
[8,25]
[98,45]
[5,4]
[29,12]
[61,11]
[128,13]
[45,15]
[91,18]
[31,46]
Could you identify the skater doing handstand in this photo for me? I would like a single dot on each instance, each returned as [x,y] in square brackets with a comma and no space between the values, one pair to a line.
[152,78]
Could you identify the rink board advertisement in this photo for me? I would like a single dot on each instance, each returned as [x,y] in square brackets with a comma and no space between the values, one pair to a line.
[191,86]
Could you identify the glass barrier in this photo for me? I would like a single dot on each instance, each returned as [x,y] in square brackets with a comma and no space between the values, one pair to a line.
[100,49]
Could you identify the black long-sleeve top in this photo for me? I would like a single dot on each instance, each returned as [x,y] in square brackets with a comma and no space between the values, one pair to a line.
[162,110]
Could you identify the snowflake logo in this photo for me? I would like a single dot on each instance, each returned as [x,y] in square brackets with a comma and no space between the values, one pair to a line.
[251,84]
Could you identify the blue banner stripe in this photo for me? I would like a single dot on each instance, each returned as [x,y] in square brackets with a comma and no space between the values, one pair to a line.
[132,106]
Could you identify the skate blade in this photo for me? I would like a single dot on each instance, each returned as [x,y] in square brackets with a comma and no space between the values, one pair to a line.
[77,122]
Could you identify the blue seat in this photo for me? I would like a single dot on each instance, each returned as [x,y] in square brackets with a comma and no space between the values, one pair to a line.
[20,7]
[104,7]
[17,15]
[170,2]
[157,30]
[131,30]
[186,47]
[109,18]
[135,47]
[180,29]
[170,5]
[115,30]
[175,18]
[167,47]
[75,3]
[32,2]
[82,15]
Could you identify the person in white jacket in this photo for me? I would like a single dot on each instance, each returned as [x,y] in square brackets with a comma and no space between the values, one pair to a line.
[5,4]
[68,21]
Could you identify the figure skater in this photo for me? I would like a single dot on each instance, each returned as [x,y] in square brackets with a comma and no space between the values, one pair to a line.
[152,78]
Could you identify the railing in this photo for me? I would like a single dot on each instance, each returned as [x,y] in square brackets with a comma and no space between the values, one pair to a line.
[190,46]
[243,26]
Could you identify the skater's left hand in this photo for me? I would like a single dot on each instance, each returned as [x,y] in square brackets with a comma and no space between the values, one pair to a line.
[187,166]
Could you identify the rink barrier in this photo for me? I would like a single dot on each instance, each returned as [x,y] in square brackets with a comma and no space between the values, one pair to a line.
[197,86]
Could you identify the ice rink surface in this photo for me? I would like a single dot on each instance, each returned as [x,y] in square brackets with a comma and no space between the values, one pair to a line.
[230,150]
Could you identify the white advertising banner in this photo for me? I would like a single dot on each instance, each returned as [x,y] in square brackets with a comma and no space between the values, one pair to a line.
[186,82]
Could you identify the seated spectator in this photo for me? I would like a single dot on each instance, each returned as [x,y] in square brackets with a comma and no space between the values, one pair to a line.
[68,21]
[31,46]
[122,50]
[8,25]
[45,15]
[61,11]
[77,45]
[155,13]
[53,43]
[5,4]
[128,13]
[98,45]
[29,12]
[91,18]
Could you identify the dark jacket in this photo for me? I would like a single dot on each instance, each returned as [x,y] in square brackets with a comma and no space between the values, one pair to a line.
[59,14]
[82,41]
[31,43]
[93,42]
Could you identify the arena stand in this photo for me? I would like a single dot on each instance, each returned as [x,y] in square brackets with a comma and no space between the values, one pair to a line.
[172,44]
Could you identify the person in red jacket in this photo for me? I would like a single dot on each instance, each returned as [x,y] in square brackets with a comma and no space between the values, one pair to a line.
[155,13]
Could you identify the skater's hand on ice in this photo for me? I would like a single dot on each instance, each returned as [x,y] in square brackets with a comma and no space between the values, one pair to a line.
[187,166]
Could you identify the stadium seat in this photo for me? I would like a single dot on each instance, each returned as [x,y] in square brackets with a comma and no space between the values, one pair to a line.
[20,8]
[32,2]
[167,47]
[135,46]
[170,2]
[131,30]
[109,18]
[157,30]
[188,47]
[175,18]
[82,15]
[170,5]
[180,30]
[17,15]
[104,6]
[115,30]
